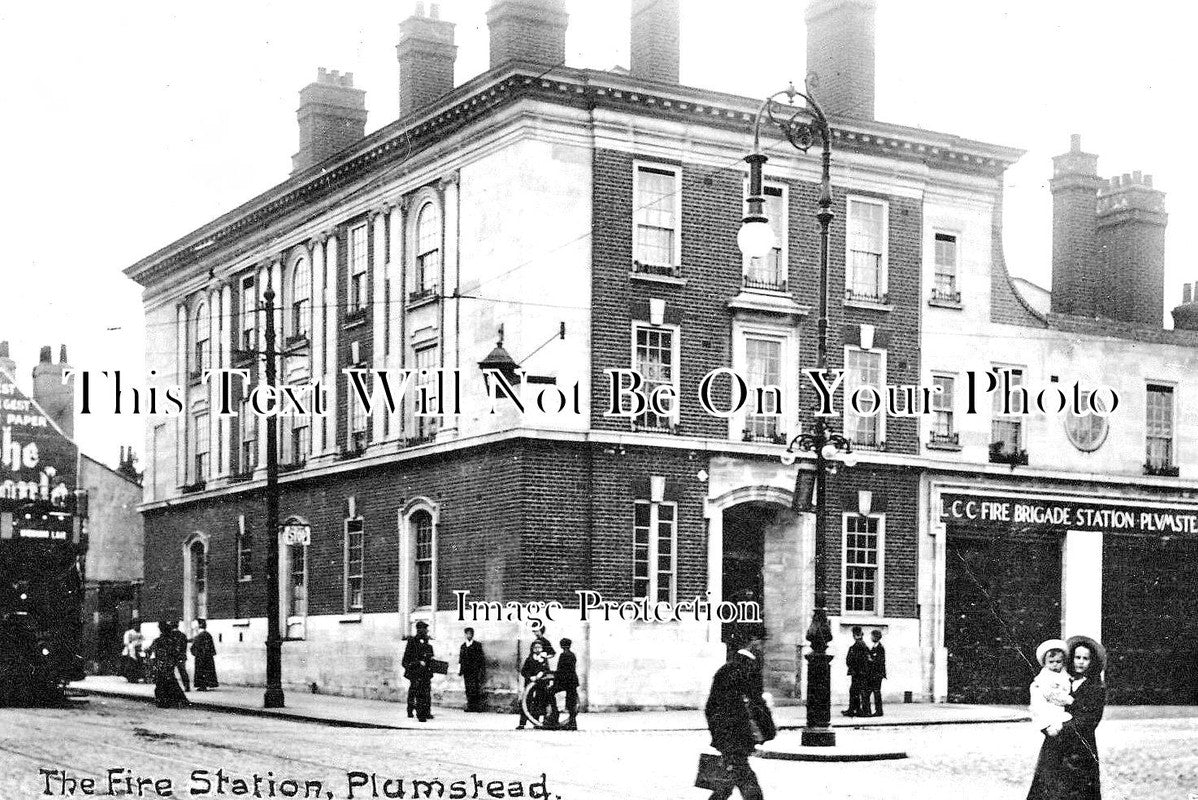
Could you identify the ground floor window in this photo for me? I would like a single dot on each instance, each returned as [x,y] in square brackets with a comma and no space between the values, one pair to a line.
[862,564]
[654,550]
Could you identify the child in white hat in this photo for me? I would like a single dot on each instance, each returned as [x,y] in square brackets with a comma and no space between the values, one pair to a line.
[1050,690]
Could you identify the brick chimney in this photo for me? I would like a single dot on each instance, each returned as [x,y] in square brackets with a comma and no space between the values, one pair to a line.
[840,52]
[1077,272]
[533,31]
[1131,242]
[6,362]
[56,398]
[1185,316]
[332,116]
[426,53]
[655,40]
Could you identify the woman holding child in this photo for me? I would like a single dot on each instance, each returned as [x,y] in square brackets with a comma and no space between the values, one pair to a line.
[1068,698]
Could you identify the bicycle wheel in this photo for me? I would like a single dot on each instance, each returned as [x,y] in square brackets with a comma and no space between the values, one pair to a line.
[536,704]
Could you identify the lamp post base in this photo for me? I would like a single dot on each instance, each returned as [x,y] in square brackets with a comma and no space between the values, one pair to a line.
[273,698]
[818,737]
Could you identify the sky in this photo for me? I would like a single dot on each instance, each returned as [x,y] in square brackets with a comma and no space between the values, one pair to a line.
[130,123]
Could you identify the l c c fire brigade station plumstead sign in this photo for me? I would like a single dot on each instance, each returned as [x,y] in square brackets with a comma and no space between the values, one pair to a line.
[296,533]
[1031,513]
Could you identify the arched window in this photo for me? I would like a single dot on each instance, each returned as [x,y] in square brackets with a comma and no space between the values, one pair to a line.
[423,558]
[202,356]
[301,299]
[195,579]
[428,246]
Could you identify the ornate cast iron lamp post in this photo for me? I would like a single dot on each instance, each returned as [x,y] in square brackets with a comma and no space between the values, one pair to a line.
[802,127]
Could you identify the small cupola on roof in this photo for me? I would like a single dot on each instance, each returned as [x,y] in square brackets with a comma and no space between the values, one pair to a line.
[654,40]
[840,53]
[426,54]
[332,116]
[532,31]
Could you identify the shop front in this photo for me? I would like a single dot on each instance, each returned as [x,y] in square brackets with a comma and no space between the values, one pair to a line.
[1013,568]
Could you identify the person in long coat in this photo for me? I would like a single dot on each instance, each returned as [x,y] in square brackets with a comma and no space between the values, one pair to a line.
[472,666]
[164,651]
[180,644]
[732,709]
[204,650]
[1067,768]
[565,679]
[416,668]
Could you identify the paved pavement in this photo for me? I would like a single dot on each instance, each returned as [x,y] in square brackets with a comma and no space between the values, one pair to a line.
[358,713]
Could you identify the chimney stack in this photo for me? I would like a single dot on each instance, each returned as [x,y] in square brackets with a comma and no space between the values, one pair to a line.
[1185,316]
[426,53]
[840,52]
[532,31]
[1077,279]
[6,362]
[55,398]
[1131,243]
[655,40]
[332,116]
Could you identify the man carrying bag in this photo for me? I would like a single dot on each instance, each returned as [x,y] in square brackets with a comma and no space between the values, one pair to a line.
[739,720]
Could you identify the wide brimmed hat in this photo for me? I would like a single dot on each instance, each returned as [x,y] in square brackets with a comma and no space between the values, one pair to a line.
[421,625]
[1048,646]
[1097,653]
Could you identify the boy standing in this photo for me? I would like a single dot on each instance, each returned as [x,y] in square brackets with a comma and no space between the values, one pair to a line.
[876,674]
[566,680]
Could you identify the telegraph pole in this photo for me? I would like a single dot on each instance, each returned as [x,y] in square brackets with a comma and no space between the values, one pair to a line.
[274,642]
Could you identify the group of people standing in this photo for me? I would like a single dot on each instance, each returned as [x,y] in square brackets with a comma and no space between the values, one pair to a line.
[166,659]
[419,664]
[867,670]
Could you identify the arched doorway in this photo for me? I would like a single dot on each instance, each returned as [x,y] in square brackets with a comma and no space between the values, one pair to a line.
[764,559]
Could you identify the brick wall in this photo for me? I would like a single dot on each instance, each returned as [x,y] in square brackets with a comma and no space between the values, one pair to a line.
[712,267]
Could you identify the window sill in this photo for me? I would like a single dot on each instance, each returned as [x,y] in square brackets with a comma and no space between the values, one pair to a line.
[298,342]
[950,446]
[354,318]
[1163,472]
[242,358]
[422,297]
[240,623]
[292,466]
[871,305]
[867,619]
[192,488]
[345,455]
[940,303]
[666,280]
[352,618]
[762,301]
[245,579]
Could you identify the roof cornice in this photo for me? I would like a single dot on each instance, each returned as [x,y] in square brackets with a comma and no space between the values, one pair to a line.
[512,82]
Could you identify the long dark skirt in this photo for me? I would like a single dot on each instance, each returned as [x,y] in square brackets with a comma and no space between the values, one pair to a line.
[1065,770]
[167,691]
[205,674]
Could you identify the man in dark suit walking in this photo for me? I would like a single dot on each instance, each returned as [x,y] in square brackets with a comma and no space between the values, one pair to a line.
[857,661]
[416,668]
[736,715]
[179,643]
[473,669]
[565,679]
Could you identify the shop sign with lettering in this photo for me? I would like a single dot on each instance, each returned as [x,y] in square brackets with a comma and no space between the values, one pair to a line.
[1032,513]
[37,463]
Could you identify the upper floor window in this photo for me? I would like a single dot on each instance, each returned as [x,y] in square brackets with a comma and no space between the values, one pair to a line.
[944,429]
[202,354]
[944,280]
[657,203]
[248,421]
[428,247]
[763,360]
[1006,428]
[862,564]
[200,448]
[655,358]
[249,312]
[301,299]
[769,272]
[864,368]
[354,559]
[654,550]
[358,260]
[300,443]
[865,277]
[1159,429]
[425,384]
